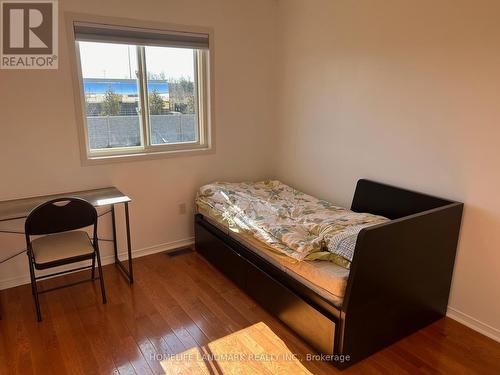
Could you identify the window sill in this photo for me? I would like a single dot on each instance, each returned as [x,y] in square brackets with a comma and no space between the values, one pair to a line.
[144,155]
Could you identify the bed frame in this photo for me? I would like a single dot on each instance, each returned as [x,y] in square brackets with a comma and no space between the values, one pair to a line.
[399,280]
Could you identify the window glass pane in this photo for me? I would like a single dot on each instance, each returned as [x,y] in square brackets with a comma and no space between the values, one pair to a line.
[173,112]
[112,99]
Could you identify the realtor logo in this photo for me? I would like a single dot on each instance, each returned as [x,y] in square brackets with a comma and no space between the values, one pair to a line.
[29,34]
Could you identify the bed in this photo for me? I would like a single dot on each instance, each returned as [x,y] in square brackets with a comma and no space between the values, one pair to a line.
[393,278]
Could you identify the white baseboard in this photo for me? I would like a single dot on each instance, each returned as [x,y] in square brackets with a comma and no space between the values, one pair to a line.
[108,259]
[473,323]
[164,247]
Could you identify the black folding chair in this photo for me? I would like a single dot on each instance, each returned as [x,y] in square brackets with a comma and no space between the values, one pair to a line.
[58,220]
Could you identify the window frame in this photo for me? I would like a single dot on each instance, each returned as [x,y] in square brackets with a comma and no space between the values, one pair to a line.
[204,97]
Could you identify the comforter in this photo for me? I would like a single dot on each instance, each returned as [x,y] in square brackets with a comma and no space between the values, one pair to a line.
[289,221]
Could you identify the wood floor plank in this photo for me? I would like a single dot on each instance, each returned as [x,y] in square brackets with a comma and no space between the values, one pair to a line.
[181,324]
[16,344]
[182,306]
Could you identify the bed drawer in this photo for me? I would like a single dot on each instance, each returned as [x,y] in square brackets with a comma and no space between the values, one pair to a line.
[310,324]
[218,253]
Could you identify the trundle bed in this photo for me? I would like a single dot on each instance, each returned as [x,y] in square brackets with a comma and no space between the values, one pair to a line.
[398,280]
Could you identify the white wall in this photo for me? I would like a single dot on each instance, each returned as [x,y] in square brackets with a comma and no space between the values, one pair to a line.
[38,139]
[405,92]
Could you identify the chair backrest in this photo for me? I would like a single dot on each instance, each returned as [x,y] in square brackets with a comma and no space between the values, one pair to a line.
[61,215]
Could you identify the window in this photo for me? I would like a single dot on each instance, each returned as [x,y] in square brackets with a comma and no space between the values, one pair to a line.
[143,91]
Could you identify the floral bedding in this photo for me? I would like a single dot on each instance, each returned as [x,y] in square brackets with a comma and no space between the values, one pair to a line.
[289,221]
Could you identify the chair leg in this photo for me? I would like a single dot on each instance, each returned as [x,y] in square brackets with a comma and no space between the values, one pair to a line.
[93,267]
[34,291]
[101,276]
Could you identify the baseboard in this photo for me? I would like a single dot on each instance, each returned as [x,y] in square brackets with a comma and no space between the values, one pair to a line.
[108,259]
[473,323]
[164,247]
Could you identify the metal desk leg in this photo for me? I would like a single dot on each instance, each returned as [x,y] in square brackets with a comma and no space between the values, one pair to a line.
[115,244]
[127,272]
[129,245]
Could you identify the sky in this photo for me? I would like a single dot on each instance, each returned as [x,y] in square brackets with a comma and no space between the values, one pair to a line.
[106,60]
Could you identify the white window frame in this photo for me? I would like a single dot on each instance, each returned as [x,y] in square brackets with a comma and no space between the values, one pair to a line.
[203,87]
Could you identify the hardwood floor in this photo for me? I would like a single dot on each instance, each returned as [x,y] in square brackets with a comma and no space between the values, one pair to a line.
[180,303]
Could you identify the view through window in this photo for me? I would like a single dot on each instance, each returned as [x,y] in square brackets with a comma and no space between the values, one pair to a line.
[114,95]
[172,95]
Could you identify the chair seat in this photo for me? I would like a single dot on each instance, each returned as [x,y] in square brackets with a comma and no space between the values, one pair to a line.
[60,246]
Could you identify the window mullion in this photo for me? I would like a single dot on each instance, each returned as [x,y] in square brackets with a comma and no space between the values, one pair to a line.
[144,102]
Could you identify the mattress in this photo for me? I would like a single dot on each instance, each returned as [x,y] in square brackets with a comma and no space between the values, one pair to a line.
[289,221]
[327,279]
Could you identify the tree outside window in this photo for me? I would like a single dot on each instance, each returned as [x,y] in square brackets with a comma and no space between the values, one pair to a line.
[111,104]
[156,103]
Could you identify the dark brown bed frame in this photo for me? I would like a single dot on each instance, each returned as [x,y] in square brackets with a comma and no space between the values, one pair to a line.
[399,280]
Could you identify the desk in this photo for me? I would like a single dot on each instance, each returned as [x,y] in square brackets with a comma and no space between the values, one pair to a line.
[20,208]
